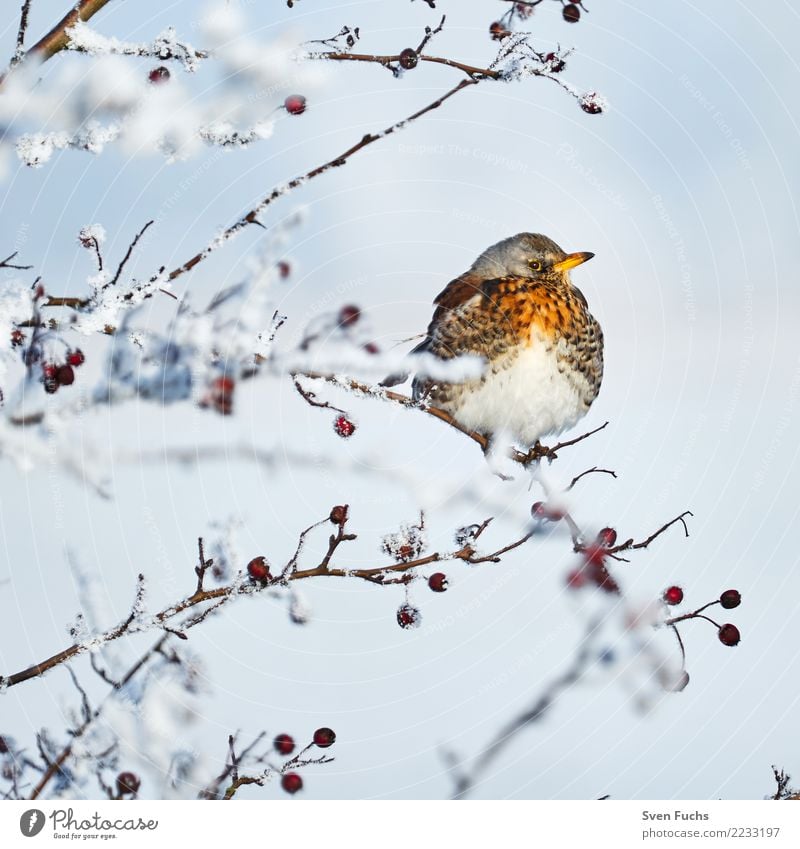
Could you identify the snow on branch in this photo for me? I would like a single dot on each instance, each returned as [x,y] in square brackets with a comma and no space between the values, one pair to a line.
[166,46]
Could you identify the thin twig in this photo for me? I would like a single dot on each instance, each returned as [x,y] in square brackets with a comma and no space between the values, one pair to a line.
[6,263]
[57,39]
[23,29]
[127,256]
[593,470]
[279,191]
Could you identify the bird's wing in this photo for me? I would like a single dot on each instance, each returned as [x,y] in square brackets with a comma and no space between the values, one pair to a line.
[456,292]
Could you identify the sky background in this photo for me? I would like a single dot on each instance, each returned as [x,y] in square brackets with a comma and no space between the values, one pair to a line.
[684,190]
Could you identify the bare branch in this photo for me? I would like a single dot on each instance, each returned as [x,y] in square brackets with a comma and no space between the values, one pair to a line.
[279,191]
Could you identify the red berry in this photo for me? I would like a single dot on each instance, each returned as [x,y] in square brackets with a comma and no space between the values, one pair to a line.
[498,31]
[258,569]
[556,64]
[339,514]
[295,104]
[571,13]
[409,59]
[730,599]
[128,783]
[408,616]
[729,635]
[595,555]
[438,582]
[76,358]
[348,315]
[576,579]
[372,348]
[159,75]
[223,386]
[291,782]
[324,737]
[65,375]
[540,510]
[591,102]
[673,595]
[283,744]
[607,537]
[284,269]
[49,370]
[344,427]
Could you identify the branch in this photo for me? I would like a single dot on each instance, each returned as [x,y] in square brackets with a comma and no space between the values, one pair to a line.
[23,28]
[6,263]
[536,453]
[54,766]
[584,656]
[388,61]
[57,39]
[219,596]
[251,217]
[127,256]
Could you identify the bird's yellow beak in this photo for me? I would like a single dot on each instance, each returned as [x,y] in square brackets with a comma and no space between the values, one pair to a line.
[571,260]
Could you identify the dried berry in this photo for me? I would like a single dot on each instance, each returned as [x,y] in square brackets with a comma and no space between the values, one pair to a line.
[258,569]
[159,75]
[338,514]
[408,616]
[409,59]
[438,582]
[348,315]
[730,599]
[291,782]
[324,737]
[344,427]
[284,744]
[607,537]
[65,375]
[729,635]
[128,783]
[571,13]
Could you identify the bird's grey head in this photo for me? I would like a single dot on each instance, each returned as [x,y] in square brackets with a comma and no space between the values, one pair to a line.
[529,255]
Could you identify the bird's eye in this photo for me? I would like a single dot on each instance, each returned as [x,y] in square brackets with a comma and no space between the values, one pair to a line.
[535,265]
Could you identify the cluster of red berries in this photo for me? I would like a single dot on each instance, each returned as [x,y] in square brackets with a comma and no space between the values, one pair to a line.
[592,570]
[284,744]
[728,634]
[57,375]
[220,395]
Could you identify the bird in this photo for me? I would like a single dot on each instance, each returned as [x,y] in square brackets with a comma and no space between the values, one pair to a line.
[517,308]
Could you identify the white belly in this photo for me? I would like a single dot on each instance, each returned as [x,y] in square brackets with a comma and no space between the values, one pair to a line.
[529,399]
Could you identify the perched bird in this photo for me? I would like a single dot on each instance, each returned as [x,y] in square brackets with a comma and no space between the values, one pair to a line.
[517,308]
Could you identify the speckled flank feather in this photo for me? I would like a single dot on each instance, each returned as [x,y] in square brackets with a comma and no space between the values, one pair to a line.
[544,352]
